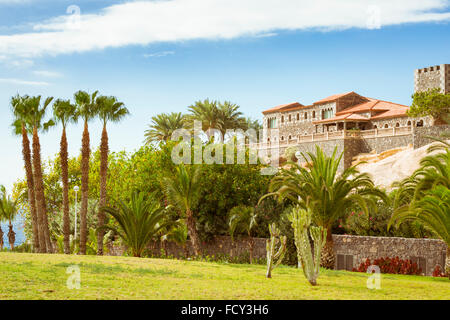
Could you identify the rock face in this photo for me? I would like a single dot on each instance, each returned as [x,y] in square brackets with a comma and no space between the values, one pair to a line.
[401,164]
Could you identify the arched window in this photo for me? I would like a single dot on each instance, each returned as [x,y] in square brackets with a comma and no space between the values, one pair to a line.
[268,139]
[282,138]
[290,137]
[298,116]
[409,122]
[290,119]
[397,125]
[375,127]
[386,126]
[306,115]
[282,119]
[313,114]
[420,123]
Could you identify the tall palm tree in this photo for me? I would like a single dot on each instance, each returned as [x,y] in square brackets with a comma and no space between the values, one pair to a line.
[207,112]
[139,221]
[230,117]
[65,112]
[37,112]
[109,109]
[21,127]
[182,191]
[243,220]
[163,126]
[326,193]
[87,109]
[9,211]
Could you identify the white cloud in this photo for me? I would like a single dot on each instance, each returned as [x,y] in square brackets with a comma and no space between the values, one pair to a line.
[47,74]
[159,54]
[23,82]
[146,22]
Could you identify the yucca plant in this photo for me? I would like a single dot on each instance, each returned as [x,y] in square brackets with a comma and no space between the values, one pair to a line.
[139,221]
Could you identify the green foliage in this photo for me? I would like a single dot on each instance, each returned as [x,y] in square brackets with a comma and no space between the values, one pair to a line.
[139,221]
[242,220]
[64,112]
[303,230]
[163,126]
[110,109]
[430,103]
[274,256]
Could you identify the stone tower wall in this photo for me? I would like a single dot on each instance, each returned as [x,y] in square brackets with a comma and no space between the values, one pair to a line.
[432,77]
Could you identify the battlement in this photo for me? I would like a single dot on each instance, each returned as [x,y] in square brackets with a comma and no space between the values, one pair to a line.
[432,77]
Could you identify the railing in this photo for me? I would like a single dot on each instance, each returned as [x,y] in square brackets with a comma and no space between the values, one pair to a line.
[341,134]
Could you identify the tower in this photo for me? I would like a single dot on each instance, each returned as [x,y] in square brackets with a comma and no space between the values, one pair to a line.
[432,77]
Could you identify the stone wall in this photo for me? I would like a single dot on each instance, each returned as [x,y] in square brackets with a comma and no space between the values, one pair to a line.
[432,77]
[351,251]
[420,135]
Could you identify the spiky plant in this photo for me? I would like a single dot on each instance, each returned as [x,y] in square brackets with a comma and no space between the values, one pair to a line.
[303,230]
[163,126]
[139,221]
[274,256]
[182,190]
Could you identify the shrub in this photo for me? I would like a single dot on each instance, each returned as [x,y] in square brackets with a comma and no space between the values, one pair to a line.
[437,272]
[391,265]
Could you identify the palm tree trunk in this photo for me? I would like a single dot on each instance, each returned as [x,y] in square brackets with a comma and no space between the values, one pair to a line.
[30,185]
[1,239]
[63,154]
[103,181]
[192,230]
[327,259]
[11,236]
[85,154]
[44,237]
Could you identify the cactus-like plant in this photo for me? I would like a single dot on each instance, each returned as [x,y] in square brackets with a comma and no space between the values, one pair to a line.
[274,257]
[308,260]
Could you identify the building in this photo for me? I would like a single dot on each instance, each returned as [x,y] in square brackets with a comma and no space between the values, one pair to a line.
[334,119]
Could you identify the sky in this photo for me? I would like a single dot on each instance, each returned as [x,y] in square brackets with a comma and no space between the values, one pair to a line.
[162,56]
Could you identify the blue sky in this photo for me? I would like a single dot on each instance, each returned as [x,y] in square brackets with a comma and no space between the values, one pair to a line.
[164,59]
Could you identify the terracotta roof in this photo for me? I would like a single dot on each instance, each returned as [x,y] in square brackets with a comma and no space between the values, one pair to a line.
[290,106]
[334,97]
[363,107]
[344,117]
[387,109]
[393,113]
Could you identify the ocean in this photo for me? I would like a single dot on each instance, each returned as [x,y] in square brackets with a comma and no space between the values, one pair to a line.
[18,225]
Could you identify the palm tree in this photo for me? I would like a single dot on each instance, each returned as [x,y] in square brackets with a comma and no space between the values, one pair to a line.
[65,112]
[21,127]
[207,112]
[139,221]
[182,191]
[326,193]
[163,126]
[178,234]
[243,220]
[87,109]
[433,210]
[109,109]
[36,116]
[2,216]
[8,210]
[230,117]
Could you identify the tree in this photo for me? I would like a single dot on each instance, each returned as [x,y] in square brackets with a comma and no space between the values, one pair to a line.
[425,196]
[109,109]
[139,221]
[36,116]
[87,109]
[65,112]
[163,126]
[430,103]
[243,220]
[8,210]
[230,117]
[182,190]
[21,127]
[328,194]
[2,216]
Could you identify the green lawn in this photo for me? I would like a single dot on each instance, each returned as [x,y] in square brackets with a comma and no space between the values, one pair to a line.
[32,276]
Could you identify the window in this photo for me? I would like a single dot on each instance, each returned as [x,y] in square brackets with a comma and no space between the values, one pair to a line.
[272,123]
[326,114]
[298,116]
[290,119]
[290,137]
[420,123]
[282,138]
[409,123]
[313,114]
[306,115]
[375,127]
[282,119]
[397,125]
[386,126]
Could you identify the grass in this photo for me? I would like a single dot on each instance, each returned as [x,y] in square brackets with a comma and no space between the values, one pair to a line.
[33,276]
